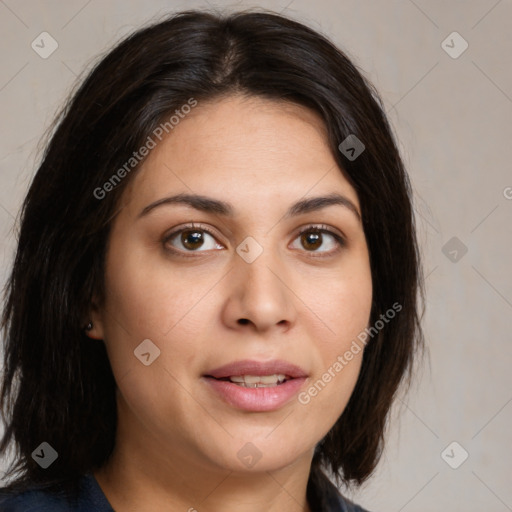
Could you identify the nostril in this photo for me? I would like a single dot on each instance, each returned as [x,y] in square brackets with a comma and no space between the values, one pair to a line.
[243,321]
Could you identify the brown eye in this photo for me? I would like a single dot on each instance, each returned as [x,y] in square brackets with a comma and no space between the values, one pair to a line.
[318,240]
[192,239]
[311,240]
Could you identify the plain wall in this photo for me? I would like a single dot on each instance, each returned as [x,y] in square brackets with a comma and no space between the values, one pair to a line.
[452,117]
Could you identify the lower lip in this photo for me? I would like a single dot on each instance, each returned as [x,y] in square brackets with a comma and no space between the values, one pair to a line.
[256,399]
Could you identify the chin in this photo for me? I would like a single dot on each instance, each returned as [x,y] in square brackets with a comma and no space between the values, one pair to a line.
[259,453]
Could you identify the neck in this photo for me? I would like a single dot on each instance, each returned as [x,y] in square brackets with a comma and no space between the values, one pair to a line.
[167,474]
[131,485]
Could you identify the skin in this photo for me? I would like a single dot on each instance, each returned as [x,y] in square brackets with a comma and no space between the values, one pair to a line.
[177,441]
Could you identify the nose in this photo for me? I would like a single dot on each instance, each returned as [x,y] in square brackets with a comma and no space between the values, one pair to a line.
[260,296]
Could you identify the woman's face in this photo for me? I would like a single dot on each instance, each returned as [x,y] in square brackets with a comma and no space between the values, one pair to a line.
[241,287]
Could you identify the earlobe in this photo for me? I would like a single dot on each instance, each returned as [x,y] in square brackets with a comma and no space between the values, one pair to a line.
[94,331]
[94,325]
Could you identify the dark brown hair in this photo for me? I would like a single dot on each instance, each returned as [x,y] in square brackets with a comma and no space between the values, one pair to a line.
[58,386]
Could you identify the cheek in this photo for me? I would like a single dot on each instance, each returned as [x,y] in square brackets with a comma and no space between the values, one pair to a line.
[344,305]
[150,298]
[145,301]
[148,302]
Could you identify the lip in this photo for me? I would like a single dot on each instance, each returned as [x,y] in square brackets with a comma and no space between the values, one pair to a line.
[258,368]
[256,399]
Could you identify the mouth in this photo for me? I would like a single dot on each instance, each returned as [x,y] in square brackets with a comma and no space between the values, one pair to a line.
[257,381]
[256,386]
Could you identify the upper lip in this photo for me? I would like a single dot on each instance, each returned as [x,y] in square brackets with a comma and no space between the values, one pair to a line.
[257,368]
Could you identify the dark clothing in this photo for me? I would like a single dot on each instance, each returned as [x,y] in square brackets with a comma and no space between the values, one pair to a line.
[90,499]
[322,497]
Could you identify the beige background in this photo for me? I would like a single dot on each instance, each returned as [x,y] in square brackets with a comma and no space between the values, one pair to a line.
[452,117]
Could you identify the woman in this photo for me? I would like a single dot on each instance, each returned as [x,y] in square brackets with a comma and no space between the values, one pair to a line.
[215,294]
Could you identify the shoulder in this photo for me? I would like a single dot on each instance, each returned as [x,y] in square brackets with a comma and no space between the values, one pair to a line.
[90,499]
[323,496]
[31,501]
[338,503]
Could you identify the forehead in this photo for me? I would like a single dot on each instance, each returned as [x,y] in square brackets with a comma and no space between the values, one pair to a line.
[242,148]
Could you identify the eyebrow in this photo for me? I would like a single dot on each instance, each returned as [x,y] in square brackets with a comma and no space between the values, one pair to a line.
[210,205]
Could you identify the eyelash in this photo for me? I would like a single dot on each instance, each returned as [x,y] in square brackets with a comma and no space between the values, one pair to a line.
[314,228]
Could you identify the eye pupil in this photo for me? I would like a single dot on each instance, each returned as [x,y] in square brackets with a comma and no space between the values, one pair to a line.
[311,240]
[192,239]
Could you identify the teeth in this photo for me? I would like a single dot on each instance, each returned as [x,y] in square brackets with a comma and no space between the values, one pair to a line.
[260,381]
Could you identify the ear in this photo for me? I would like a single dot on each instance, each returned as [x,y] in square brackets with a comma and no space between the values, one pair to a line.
[95,317]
